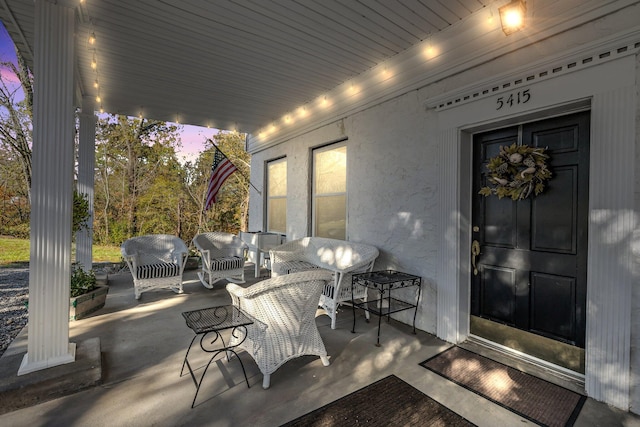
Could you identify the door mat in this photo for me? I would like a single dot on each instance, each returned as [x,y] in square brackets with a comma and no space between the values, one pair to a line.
[389,401]
[530,397]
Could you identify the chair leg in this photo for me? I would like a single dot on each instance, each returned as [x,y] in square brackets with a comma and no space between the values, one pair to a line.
[266,381]
[325,360]
[203,281]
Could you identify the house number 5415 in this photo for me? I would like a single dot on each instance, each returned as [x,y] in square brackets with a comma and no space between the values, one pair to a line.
[514,98]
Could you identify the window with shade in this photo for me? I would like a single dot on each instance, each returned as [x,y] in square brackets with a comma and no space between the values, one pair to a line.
[329,191]
[277,196]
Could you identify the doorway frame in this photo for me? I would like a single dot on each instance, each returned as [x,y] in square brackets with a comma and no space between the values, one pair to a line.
[603,82]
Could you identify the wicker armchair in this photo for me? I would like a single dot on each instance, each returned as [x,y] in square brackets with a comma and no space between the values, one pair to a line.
[155,261]
[284,311]
[223,256]
[341,257]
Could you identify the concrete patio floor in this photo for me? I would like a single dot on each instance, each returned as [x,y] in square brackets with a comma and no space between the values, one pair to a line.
[143,344]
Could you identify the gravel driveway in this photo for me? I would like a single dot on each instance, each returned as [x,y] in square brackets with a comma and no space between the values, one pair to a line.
[14,291]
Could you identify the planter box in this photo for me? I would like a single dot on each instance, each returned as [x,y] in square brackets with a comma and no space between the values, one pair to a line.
[193,262]
[83,305]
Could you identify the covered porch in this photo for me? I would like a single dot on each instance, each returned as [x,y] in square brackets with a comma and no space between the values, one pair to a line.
[406,90]
[143,345]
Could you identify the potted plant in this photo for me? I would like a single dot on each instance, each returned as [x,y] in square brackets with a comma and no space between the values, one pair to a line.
[193,260]
[86,295]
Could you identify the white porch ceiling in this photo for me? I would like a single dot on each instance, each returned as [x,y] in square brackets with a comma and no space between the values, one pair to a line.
[234,64]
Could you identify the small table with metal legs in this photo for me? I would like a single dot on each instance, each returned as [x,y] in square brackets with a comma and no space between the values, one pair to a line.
[385,282]
[210,322]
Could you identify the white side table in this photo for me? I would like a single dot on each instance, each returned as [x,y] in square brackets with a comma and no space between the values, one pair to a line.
[259,244]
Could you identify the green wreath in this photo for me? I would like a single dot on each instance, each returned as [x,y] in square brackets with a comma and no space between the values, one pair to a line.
[517,172]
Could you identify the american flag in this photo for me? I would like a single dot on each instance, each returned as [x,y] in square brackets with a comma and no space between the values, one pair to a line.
[221,170]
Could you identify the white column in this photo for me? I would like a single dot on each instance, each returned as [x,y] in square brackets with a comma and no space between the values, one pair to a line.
[52,188]
[86,165]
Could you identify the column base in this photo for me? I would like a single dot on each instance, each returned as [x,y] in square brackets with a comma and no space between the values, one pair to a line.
[27,367]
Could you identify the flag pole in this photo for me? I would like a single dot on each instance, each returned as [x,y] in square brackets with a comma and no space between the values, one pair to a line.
[238,170]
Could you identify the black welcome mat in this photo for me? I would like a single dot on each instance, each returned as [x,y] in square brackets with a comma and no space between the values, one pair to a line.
[530,397]
[389,401]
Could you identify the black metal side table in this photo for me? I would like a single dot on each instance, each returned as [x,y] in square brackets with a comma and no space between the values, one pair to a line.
[385,282]
[211,322]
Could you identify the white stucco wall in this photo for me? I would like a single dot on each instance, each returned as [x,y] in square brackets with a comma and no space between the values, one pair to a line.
[394,176]
[387,156]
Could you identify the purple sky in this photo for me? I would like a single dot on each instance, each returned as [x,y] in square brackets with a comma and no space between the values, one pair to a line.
[192,137]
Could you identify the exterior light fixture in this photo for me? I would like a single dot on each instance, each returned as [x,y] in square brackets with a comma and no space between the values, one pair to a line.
[512,16]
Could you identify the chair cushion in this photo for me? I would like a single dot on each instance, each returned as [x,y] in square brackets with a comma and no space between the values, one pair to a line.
[228,263]
[155,271]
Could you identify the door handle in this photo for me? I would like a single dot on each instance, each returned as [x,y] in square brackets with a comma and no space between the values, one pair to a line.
[475,251]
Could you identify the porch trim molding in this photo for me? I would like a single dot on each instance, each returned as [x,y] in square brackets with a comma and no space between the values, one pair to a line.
[458,52]
[52,189]
[612,219]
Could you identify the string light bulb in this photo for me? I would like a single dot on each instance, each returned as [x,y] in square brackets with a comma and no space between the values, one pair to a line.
[98,99]
[92,38]
[96,84]
[94,62]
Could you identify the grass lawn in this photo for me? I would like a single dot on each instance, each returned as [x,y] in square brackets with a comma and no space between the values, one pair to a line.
[16,252]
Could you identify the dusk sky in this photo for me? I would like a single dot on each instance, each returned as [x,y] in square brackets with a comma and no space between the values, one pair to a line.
[193,137]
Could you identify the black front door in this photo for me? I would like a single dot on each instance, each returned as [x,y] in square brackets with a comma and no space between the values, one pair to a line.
[531,269]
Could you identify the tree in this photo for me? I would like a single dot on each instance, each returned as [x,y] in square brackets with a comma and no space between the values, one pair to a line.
[138,182]
[16,112]
[16,106]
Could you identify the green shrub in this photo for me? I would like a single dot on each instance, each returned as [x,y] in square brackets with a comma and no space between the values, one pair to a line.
[81,281]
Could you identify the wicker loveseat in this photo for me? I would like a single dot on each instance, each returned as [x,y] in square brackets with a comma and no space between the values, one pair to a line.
[341,257]
[283,309]
[222,255]
[155,261]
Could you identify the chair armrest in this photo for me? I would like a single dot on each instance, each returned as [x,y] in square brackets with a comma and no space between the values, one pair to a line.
[178,255]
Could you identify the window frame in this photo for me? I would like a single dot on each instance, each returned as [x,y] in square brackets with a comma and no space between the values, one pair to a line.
[312,192]
[269,198]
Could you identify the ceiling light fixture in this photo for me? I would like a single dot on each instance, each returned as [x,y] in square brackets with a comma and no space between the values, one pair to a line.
[512,16]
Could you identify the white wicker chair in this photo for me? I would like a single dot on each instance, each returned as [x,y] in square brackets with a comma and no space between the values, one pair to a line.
[341,257]
[223,256]
[155,261]
[284,311]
